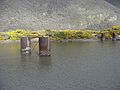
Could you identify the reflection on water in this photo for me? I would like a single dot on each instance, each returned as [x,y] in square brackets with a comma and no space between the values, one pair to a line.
[72,66]
[25,57]
[46,61]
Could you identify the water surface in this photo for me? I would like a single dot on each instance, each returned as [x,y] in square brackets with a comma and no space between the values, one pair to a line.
[72,66]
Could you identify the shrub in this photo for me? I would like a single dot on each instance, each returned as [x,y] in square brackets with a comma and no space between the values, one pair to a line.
[116,27]
[1,37]
[15,35]
[108,35]
[79,34]
[87,35]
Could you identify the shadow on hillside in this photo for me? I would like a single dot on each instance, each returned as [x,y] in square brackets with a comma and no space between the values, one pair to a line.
[116,3]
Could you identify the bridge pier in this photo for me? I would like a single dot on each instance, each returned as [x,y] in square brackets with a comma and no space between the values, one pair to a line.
[44,46]
[102,37]
[25,44]
[113,36]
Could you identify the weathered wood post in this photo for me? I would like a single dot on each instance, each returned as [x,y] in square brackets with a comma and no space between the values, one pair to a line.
[113,36]
[25,44]
[102,37]
[44,46]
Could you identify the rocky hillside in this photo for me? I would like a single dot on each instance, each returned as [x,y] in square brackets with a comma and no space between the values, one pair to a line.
[58,14]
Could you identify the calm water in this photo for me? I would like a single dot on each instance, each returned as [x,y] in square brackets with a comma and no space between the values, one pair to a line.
[72,66]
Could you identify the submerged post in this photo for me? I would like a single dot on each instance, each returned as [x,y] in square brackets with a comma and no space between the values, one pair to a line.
[44,46]
[25,44]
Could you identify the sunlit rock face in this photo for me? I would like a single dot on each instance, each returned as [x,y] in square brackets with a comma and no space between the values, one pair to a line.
[57,14]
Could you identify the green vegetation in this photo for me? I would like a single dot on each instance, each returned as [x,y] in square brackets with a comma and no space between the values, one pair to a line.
[70,34]
[108,32]
[54,34]
[16,34]
[59,34]
[1,38]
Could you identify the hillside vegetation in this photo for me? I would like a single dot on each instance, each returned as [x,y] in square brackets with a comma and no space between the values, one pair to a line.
[59,34]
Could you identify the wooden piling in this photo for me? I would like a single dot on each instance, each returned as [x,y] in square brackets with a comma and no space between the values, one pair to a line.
[44,46]
[113,36]
[102,37]
[25,44]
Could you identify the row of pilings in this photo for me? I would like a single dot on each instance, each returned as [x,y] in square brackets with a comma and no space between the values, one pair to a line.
[102,36]
[44,45]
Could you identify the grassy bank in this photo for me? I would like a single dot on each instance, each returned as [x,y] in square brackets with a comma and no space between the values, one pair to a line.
[59,34]
[54,34]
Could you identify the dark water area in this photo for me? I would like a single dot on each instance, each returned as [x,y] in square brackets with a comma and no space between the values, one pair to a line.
[72,66]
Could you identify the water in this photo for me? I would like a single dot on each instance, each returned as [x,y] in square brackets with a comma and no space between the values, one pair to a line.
[72,66]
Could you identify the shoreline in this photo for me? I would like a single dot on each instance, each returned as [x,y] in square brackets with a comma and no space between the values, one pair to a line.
[76,40]
[36,40]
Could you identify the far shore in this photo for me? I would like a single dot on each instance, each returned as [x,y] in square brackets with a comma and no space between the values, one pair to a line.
[87,35]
